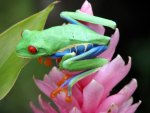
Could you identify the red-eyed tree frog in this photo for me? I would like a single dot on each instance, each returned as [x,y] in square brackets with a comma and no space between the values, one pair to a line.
[75,43]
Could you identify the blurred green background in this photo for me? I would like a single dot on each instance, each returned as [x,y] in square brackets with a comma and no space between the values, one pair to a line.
[133,22]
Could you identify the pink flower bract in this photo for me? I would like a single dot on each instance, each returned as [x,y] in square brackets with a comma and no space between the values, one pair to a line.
[92,94]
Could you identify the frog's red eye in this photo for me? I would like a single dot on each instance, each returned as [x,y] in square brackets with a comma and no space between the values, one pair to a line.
[32,49]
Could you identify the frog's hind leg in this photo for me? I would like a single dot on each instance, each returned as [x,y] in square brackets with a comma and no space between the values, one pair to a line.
[62,87]
[77,78]
[75,17]
[78,63]
[84,61]
[68,84]
[64,78]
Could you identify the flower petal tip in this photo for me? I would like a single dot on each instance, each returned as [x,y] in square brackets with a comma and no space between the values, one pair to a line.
[139,102]
[119,59]
[133,84]
[116,33]
[129,89]
[133,107]
[34,108]
[34,79]
[86,8]
[39,98]
[134,81]
[31,103]
[115,37]
[130,59]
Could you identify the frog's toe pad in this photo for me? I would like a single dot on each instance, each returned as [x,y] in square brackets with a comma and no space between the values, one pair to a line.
[68,99]
[55,92]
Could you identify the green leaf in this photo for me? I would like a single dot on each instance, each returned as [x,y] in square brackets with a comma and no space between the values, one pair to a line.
[10,64]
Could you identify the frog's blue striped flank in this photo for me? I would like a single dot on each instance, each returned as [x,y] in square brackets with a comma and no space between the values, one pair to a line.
[79,49]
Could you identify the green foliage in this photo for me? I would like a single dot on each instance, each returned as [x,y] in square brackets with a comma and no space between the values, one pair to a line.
[10,64]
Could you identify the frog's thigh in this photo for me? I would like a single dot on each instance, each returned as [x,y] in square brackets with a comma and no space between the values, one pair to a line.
[84,64]
[83,61]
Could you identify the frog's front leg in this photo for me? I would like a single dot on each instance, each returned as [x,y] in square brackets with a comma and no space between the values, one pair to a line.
[66,76]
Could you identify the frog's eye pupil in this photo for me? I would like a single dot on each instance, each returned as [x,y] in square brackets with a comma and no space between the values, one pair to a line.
[32,49]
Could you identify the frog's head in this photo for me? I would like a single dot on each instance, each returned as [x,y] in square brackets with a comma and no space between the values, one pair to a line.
[32,45]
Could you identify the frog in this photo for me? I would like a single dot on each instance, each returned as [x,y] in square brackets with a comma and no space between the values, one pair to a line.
[74,43]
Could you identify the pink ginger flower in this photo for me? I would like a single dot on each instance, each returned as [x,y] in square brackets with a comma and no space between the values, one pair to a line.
[92,94]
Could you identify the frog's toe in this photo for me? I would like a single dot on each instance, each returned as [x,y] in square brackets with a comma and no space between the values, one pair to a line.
[65,87]
[65,77]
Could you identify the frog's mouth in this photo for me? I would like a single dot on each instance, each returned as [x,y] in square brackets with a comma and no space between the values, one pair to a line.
[26,54]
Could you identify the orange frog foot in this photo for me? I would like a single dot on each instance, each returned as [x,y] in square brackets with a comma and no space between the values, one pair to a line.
[47,62]
[64,89]
[65,77]
[68,99]
[55,92]
[58,90]
[40,60]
